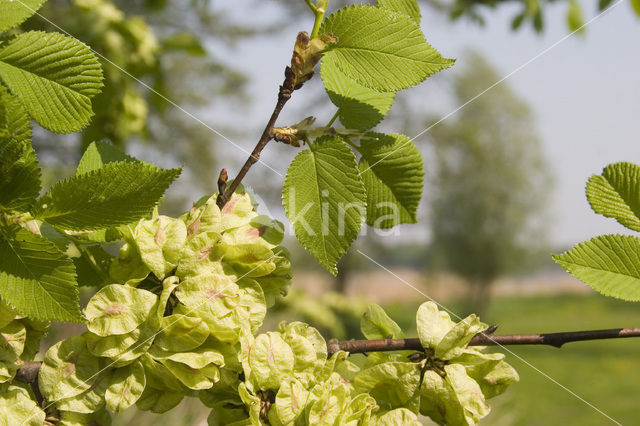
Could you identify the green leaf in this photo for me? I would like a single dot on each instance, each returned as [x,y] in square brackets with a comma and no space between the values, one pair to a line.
[610,264]
[14,13]
[603,4]
[14,120]
[36,278]
[381,49]
[98,154]
[359,107]
[55,77]
[324,199]
[376,324]
[575,21]
[518,20]
[19,175]
[116,194]
[636,6]
[407,7]
[616,194]
[393,174]
[91,260]
[184,41]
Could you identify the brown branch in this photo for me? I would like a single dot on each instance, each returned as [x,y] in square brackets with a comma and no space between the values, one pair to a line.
[306,55]
[284,94]
[482,339]
[28,373]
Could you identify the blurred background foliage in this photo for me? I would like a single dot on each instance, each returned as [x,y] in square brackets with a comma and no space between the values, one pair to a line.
[160,77]
[168,81]
[487,213]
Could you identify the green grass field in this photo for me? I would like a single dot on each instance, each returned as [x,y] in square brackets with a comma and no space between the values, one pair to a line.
[606,374]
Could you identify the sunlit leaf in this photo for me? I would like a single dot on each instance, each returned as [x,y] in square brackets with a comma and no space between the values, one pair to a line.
[57,97]
[15,12]
[115,194]
[380,48]
[36,278]
[610,264]
[324,199]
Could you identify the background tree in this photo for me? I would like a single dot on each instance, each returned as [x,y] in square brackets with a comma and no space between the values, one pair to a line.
[167,46]
[489,181]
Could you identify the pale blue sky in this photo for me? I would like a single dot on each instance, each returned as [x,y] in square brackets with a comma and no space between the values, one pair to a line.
[584,93]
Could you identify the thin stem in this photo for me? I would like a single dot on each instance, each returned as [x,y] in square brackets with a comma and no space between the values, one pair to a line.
[284,94]
[481,339]
[312,6]
[94,264]
[333,119]
[317,22]
[319,11]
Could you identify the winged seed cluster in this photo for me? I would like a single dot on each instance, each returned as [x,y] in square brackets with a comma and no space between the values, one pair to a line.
[177,312]
[181,323]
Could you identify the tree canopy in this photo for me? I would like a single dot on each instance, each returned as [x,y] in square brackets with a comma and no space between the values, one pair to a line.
[489,180]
